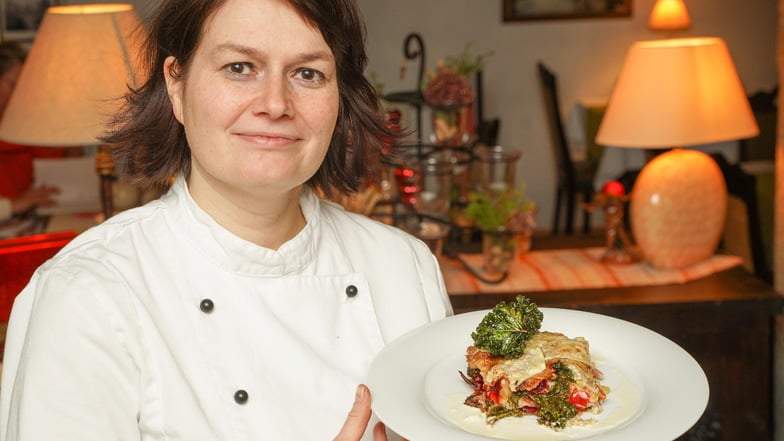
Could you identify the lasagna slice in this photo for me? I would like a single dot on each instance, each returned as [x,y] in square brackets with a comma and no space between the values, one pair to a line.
[553,379]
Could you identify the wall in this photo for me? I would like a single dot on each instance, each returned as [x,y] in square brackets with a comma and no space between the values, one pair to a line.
[586,54]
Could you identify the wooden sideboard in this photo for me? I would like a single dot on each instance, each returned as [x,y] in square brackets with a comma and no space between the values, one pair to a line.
[725,321]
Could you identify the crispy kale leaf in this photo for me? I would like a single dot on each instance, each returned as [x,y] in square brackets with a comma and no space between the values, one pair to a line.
[504,330]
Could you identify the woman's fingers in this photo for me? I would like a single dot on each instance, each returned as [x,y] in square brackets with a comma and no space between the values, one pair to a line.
[358,417]
[379,432]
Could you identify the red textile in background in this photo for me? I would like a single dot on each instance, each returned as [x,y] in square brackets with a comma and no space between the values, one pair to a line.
[16,169]
[16,166]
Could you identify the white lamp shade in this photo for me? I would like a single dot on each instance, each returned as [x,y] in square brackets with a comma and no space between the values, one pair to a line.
[81,63]
[669,15]
[674,93]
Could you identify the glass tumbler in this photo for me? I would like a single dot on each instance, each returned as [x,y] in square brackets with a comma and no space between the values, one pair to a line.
[494,169]
[434,185]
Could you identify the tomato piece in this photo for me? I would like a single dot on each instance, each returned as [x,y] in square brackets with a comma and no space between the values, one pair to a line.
[579,399]
[493,395]
[530,409]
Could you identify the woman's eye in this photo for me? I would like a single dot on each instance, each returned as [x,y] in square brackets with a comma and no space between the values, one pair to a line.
[311,75]
[239,68]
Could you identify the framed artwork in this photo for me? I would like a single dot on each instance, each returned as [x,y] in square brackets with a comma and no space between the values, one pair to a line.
[521,10]
[21,18]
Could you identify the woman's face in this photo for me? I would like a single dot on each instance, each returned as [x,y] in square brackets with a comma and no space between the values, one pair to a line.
[259,101]
[7,84]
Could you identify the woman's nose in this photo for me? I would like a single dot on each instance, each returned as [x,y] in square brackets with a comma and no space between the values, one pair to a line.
[273,97]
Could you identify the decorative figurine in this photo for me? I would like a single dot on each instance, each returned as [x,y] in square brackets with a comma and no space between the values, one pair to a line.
[619,248]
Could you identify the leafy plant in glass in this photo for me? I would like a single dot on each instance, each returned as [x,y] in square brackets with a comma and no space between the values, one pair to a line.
[506,219]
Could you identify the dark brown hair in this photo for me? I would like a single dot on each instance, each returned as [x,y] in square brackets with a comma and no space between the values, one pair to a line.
[11,53]
[149,143]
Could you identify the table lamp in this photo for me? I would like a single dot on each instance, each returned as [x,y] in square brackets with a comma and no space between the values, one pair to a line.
[670,94]
[669,15]
[81,63]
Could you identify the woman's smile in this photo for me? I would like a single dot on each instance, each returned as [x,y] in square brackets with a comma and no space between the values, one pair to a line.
[268,139]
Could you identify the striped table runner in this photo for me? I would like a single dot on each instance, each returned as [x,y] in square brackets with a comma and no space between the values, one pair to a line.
[578,268]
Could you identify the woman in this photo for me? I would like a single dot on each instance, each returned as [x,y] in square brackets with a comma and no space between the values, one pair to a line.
[239,305]
[17,193]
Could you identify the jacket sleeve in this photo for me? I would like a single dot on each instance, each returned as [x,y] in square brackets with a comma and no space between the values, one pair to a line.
[433,285]
[68,372]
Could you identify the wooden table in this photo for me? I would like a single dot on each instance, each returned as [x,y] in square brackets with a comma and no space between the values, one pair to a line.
[724,320]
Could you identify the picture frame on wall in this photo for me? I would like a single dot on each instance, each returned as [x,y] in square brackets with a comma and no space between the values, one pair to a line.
[522,10]
[21,18]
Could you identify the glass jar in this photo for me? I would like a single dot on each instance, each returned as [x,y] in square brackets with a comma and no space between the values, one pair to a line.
[499,248]
[495,168]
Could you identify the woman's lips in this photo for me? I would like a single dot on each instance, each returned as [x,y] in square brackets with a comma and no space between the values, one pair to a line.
[270,139]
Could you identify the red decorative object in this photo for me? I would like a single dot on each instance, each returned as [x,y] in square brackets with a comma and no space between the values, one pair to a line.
[613,188]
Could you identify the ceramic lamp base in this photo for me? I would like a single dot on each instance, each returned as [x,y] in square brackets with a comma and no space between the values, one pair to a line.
[678,207]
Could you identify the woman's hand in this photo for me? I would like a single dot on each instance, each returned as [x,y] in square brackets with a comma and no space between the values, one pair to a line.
[358,419]
[33,197]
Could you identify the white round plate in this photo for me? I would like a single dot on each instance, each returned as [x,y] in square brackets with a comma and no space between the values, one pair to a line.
[414,379]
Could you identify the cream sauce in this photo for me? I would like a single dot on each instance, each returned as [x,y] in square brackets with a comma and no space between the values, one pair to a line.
[517,370]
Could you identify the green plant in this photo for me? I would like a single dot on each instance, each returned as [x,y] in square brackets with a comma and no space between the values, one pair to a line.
[497,210]
[466,63]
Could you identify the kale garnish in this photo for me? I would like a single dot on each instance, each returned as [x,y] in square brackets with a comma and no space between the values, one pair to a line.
[498,411]
[505,329]
[555,410]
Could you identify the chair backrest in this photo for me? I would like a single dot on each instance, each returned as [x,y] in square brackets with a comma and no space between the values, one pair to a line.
[743,232]
[549,85]
[764,105]
[486,130]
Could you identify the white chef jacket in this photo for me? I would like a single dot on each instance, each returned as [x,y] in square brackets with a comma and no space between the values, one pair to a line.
[159,324]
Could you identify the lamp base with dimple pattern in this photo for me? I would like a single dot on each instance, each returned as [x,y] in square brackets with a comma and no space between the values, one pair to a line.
[678,207]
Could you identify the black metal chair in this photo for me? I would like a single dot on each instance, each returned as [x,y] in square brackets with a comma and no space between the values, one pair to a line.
[764,105]
[574,177]
[749,243]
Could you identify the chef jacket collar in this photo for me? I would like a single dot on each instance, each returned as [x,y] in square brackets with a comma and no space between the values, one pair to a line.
[239,255]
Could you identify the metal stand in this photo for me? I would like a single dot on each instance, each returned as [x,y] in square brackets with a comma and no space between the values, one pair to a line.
[104,166]
[413,48]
